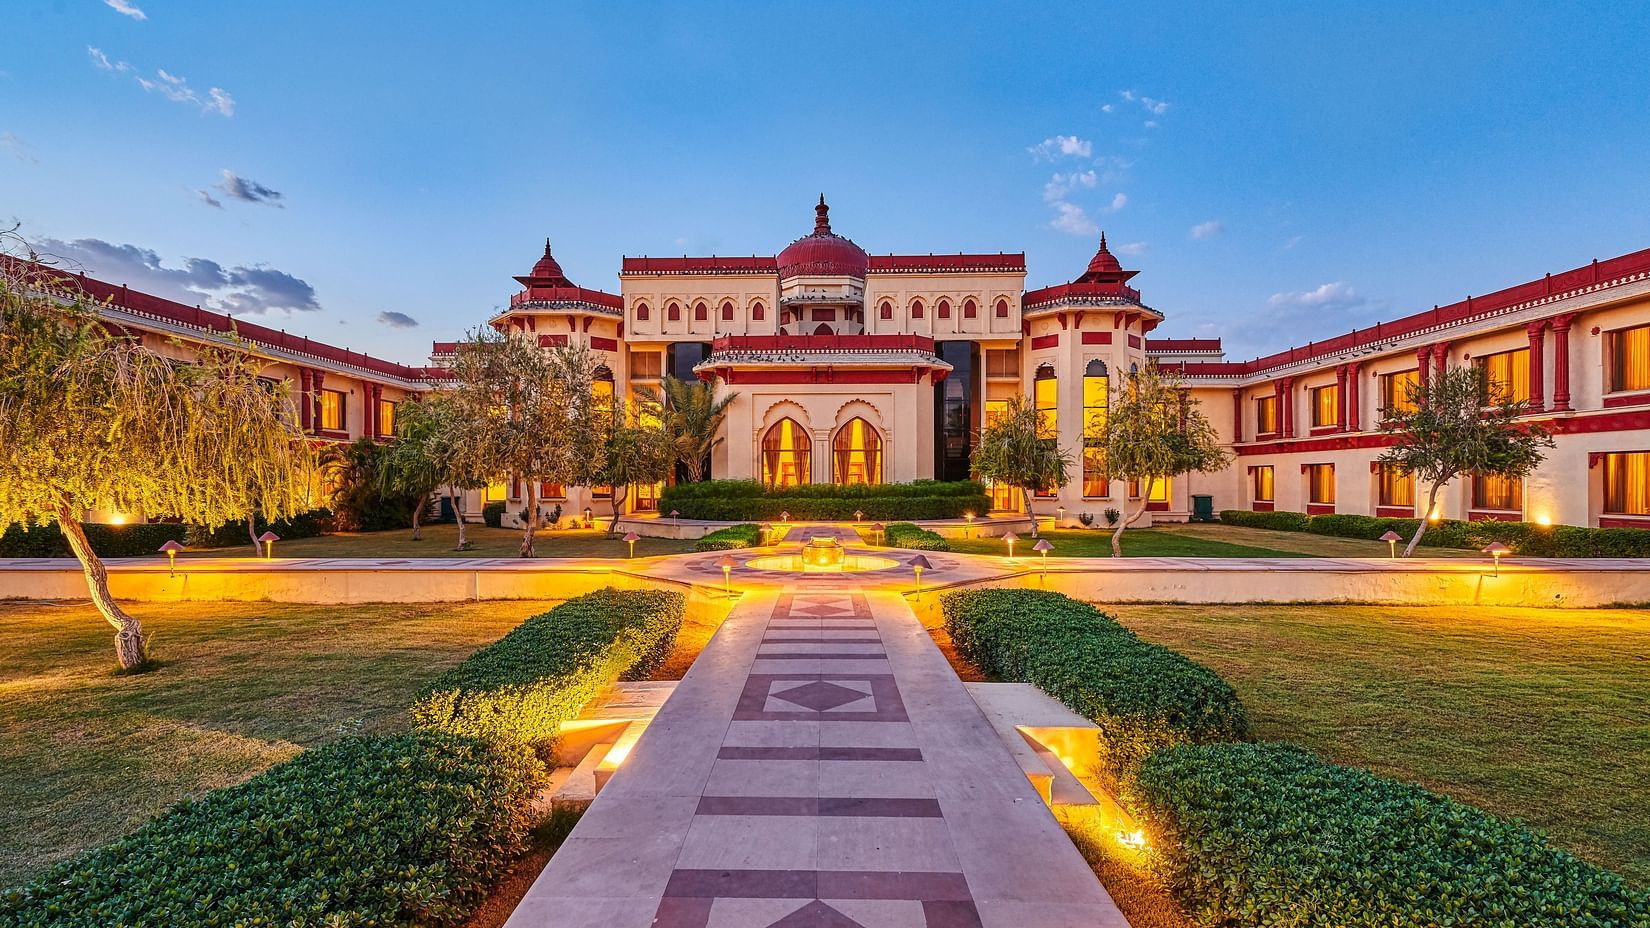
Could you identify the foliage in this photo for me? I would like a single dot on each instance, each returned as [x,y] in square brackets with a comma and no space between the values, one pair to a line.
[692,417]
[749,500]
[1269,835]
[1087,518]
[399,831]
[363,498]
[133,540]
[428,453]
[907,535]
[1112,515]
[746,535]
[310,524]
[639,452]
[1154,431]
[1525,538]
[90,419]
[1012,450]
[1142,696]
[1280,520]
[492,514]
[522,687]
[1455,425]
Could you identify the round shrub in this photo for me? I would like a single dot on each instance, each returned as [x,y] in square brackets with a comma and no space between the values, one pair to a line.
[906,535]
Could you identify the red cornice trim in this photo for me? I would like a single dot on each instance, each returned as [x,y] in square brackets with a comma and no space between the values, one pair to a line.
[1627,399]
[1395,512]
[1259,506]
[1493,515]
[820,375]
[917,264]
[1320,509]
[1638,522]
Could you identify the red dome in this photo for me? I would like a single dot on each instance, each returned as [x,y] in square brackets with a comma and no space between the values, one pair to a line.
[823,254]
[546,273]
[1105,268]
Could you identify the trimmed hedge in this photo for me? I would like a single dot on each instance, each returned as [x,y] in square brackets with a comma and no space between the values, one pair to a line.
[1143,696]
[407,830]
[1525,538]
[906,535]
[133,540]
[1269,835]
[747,535]
[311,524]
[523,686]
[492,515]
[749,500]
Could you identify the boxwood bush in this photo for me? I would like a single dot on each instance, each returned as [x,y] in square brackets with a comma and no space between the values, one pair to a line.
[749,500]
[1282,521]
[747,535]
[1269,835]
[523,686]
[399,831]
[906,535]
[492,514]
[131,540]
[1143,696]
[1525,538]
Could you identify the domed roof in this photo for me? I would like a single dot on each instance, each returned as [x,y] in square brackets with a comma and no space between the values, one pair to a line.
[824,253]
[1104,267]
[546,273]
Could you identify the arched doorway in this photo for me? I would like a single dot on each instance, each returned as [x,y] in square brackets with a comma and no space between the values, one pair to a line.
[787,454]
[857,453]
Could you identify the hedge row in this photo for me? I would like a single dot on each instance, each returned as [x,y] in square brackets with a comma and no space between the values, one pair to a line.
[134,540]
[311,524]
[748,500]
[754,489]
[906,535]
[1526,538]
[1268,834]
[523,686]
[396,831]
[748,535]
[1143,696]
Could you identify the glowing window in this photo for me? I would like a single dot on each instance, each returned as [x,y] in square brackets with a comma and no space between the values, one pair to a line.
[1263,488]
[1627,482]
[1096,395]
[1396,390]
[787,453]
[1046,392]
[857,451]
[495,493]
[1266,415]
[1326,406]
[1493,491]
[1629,352]
[1160,490]
[1397,487]
[332,410]
[386,417]
[1506,375]
[1320,484]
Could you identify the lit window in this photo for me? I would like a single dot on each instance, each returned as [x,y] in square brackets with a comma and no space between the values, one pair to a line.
[495,493]
[386,417]
[858,453]
[1506,375]
[1002,497]
[1046,393]
[1397,487]
[786,455]
[1266,415]
[994,411]
[1627,483]
[1160,490]
[332,410]
[1326,406]
[1493,491]
[1320,484]
[1397,391]
[646,498]
[1096,394]
[548,490]
[1263,488]
[1629,358]
[601,389]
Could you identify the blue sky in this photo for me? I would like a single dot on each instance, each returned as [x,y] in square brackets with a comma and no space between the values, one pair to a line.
[1278,172]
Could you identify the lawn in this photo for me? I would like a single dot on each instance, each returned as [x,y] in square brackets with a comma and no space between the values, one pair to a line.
[440,539]
[1543,714]
[1193,540]
[86,755]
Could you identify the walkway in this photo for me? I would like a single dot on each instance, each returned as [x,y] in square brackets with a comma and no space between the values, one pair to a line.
[820,765]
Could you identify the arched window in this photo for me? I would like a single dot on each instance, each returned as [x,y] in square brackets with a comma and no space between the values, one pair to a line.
[756,311]
[641,312]
[1002,309]
[700,312]
[886,310]
[673,312]
[857,453]
[601,389]
[824,328]
[916,309]
[1046,397]
[727,310]
[1096,397]
[943,310]
[787,454]
[970,309]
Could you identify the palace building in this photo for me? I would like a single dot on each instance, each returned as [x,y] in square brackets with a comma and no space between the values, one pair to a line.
[850,367]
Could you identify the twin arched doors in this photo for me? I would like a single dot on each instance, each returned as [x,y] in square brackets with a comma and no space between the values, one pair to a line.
[787,454]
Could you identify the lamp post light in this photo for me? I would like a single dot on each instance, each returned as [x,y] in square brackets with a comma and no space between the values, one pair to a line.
[858,515]
[1059,515]
[1495,550]
[1043,547]
[1011,538]
[785,517]
[1392,538]
[876,532]
[630,538]
[268,539]
[675,517]
[589,517]
[918,565]
[172,547]
[727,563]
[763,532]
[969,517]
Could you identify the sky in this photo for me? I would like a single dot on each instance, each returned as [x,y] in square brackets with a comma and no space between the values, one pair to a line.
[373,174]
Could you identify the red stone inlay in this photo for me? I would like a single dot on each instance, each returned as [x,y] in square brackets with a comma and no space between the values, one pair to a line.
[820,696]
[826,806]
[816,914]
[772,640]
[735,752]
[797,656]
[916,886]
[754,698]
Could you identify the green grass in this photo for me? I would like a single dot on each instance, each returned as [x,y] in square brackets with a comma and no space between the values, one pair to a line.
[1142,542]
[86,755]
[439,541]
[1542,714]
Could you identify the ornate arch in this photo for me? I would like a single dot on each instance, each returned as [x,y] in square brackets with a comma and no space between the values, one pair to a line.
[786,453]
[856,452]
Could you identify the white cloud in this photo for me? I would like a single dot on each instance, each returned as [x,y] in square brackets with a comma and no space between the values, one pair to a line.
[1334,295]
[1108,108]
[255,288]
[1061,184]
[1293,242]
[1149,104]
[396,320]
[208,199]
[169,85]
[1151,124]
[1062,146]
[1118,202]
[103,62]
[1073,219]
[1206,230]
[1131,248]
[125,8]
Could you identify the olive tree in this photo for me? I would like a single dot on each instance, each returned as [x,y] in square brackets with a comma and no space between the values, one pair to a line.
[639,452]
[1154,431]
[91,419]
[1014,450]
[1454,425]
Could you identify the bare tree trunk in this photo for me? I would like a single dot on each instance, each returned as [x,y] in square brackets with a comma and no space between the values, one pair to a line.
[131,648]
[532,520]
[457,496]
[418,518]
[1432,500]
[620,492]
[1025,495]
[252,534]
[1145,500]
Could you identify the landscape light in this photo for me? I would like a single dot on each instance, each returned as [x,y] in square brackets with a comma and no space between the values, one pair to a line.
[1059,515]
[765,529]
[1011,538]
[1392,538]
[172,547]
[918,565]
[1044,547]
[268,540]
[876,532]
[589,517]
[675,516]
[858,515]
[784,517]
[1133,840]
[970,517]
[1495,550]
[630,538]
[727,563]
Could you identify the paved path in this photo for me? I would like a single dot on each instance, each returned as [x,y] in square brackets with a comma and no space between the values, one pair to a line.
[820,765]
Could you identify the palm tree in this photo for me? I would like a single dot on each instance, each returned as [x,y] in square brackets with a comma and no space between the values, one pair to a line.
[693,416]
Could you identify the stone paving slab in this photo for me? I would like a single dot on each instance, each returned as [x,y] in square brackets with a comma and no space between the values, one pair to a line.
[844,788]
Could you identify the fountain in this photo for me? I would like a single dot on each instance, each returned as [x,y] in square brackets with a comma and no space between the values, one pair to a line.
[822,553]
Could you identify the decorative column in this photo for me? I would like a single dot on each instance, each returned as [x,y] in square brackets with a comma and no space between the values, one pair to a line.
[318,380]
[304,398]
[1352,400]
[1288,410]
[1237,416]
[1423,361]
[1538,371]
[1561,361]
[1440,357]
[1340,398]
[371,417]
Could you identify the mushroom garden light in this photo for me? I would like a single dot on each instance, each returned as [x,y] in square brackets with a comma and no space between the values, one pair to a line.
[969,516]
[630,538]
[764,532]
[1043,547]
[918,565]
[1392,538]
[172,547]
[1011,538]
[268,539]
[1495,550]
[727,563]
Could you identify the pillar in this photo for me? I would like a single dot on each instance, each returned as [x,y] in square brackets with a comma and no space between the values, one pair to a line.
[1440,357]
[1352,399]
[1288,410]
[1340,398]
[1237,416]
[1423,362]
[317,380]
[1561,361]
[1538,371]
[304,399]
